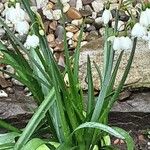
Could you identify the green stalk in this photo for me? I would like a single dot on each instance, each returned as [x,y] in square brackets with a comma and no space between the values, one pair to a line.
[35,120]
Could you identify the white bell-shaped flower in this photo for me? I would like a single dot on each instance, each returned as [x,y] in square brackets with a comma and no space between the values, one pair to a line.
[148,14]
[144,19]
[106,16]
[138,30]
[126,43]
[32,41]
[22,27]
[117,43]
[15,14]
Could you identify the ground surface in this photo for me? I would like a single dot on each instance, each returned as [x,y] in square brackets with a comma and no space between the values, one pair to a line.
[17,108]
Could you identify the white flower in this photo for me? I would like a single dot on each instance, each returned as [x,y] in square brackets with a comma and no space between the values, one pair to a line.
[122,43]
[22,27]
[144,19]
[126,43]
[32,41]
[15,14]
[148,14]
[117,44]
[138,31]
[106,16]
[120,27]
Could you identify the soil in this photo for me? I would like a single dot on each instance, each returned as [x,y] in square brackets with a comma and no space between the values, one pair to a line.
[18,109]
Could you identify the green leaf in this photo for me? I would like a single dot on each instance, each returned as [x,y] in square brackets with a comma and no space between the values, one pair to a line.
[33,144]
[91,99]
[102,127]
[128,139]
[7,146]
[8,137]
[43,147]
[35,120]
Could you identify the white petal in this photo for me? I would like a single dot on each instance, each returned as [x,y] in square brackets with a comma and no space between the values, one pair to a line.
[144,19]
[138,30]
[117,44]
[22,27]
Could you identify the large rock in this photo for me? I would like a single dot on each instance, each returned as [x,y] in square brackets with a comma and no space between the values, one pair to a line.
[139,75]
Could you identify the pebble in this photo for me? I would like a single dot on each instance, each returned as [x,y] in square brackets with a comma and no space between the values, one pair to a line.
[64,1]
[73,13]
[3,93]
[85,13]
[16,82]
[85,2]
[9,69]
[59,32]
[72,3]
[94,15]
[66,7]
[72,28]
[69,35]
[79,4]
[121,25]
[77,22]
[97,6]
[99,21]
[1,7]
[50,38]
[76,36]
[57,14]
[41,3]
[53,25]
[47,13]
[10,90]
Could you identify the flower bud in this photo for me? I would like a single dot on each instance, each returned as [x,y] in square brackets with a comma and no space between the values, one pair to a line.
[41,32]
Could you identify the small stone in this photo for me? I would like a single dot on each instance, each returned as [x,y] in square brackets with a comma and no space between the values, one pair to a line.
[76,36]
[9,69]
[70,42]
[73,13]
[77,22]
[53,25]
[50,38]
[89,20]
[72,28]
[1,7]
[47,13]
[79,4]
[59,46]
[50,5]
[94,15]
[41,3]
[121,25]
[59,32]
[46,26]
[97,6]
[3,94]
[52,44]
[66,7]
[57,14]
[85,13]
[10,90]
[83,43]
[88,8]
[69,35]
[4,83]
[72,3]
[16,82]
[64,1]
[85,2]
[99,21]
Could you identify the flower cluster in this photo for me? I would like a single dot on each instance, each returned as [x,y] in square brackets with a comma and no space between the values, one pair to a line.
[140,29]
[18,17]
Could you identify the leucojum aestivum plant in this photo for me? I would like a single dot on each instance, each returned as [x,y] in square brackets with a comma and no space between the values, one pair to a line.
[60,111]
